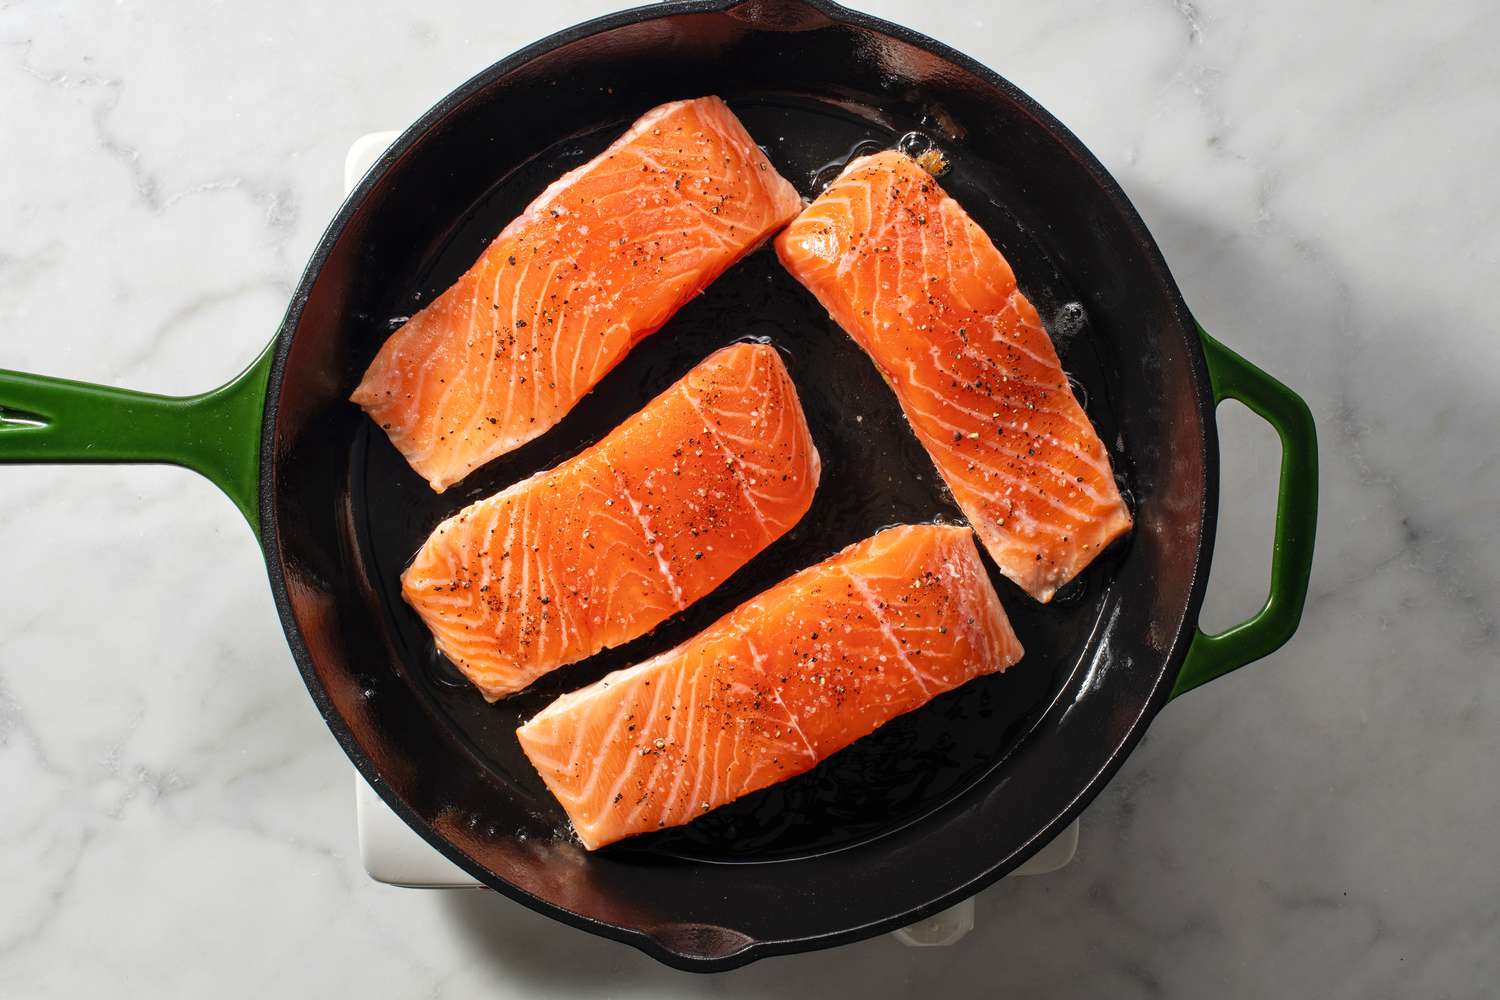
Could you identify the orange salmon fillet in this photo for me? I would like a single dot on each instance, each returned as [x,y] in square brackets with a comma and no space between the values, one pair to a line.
[602,258]
[917,284]
[602,548]
[777,685]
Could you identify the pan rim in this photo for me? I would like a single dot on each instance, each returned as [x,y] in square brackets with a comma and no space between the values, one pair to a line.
[642,940]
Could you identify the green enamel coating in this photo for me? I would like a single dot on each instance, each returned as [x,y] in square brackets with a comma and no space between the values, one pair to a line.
[216,433]
[1212,656]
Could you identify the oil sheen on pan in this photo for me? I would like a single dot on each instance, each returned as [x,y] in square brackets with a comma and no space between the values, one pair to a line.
[605,546]
[774,687]
[910,276]
[601,259]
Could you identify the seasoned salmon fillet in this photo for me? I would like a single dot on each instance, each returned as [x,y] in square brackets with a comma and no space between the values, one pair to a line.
[910,276]
[602,258]
[777,685]
[602,548]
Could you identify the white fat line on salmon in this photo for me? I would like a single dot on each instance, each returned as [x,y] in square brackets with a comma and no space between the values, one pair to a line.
[749,443]
[526,519]
[583,329]
[729,129]
[1095,462]
[621,586]
[732,132]
[716,225]
[636,761]
[537,332]
[1008,376]
[544,749]
[999,336]
[669,270]
[1061,396]
[945,444]
[670,225]
[947,441]
[669,222]
[515,342]
[1012,423]
[883,237]
[449,425]
[743,719]
[852,249]
[980,245]
[973,583]
[478,541]
[674,739]
[499,446]
[982,261]
[737,731]
[608,308]
[969,624]
[812,467]
[427,430]
[713,765]
[1017,519]
[731,459]
[758,658]
[584,793]
[886,630]
[939,231]
[512,677]
[491,355]
[600,364]
[560,333]
[648,160]
[558,611]
[695,701]
[651,539]
[510,539]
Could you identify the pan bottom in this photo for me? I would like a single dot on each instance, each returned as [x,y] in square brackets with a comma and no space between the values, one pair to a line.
[875,474]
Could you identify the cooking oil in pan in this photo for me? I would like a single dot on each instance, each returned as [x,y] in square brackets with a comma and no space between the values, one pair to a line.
[875,474]
[918,145]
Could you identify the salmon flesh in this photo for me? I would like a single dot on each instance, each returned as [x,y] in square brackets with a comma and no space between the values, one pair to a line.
[777,685]
[910,276]
[602,548]
[602,258]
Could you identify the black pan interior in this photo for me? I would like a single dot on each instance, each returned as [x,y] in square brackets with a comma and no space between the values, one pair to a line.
[875,474]
[948,796]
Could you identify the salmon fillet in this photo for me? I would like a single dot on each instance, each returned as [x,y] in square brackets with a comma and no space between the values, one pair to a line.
[602,258]
[602,548]
[777,685]
[917,284]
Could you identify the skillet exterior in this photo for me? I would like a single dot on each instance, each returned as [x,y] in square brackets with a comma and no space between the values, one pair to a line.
[700,916]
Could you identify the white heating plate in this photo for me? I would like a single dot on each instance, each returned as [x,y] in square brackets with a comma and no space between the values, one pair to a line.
[393,853]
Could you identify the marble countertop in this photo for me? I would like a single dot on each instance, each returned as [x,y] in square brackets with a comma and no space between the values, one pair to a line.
[177,820]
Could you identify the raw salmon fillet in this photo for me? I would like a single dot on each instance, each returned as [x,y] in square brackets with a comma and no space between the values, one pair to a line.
[777,685]
[605,546]
[917,284]
[602,258]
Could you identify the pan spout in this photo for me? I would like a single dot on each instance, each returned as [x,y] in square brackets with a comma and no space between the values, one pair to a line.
[689,943]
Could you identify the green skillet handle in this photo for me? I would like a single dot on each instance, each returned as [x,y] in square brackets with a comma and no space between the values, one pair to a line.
[216,434]
[1212,656]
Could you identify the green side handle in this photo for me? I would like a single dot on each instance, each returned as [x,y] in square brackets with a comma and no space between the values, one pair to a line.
[215,433]
[1212,656]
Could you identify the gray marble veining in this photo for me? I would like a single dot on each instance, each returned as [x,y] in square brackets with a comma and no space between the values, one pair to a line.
[176,820]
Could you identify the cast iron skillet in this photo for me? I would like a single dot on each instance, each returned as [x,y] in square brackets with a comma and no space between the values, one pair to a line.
[934,806]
